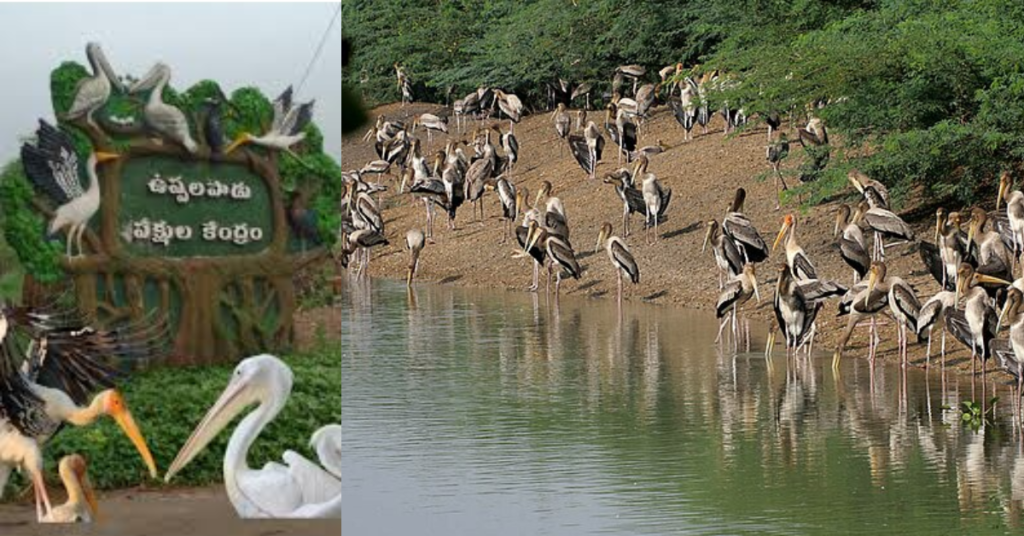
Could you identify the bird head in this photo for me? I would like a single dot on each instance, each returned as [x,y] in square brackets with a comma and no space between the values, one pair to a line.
[842,218]
[262,379]
[787,224]
[111,403]
[73,467]
[940,217]
[1011,309]
[102,157]
[1004,186]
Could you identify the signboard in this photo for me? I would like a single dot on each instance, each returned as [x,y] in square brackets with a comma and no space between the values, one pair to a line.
[186,226]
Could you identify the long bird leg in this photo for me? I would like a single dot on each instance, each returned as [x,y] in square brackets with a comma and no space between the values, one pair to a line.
[39,485]
[721,326]
[536,277]
[619,272]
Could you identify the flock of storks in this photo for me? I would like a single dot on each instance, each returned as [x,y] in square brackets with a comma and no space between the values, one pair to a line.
[973,255]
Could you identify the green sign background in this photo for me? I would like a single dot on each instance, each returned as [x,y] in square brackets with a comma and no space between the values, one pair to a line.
[138,202]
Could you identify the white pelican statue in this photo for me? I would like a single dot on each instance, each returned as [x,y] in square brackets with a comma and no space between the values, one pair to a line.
[81,505]
[93,92]
[297,489]
[161,117]
[287,129]
[52,167]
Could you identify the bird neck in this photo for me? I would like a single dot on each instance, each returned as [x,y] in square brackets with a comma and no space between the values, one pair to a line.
[245,435]
[156,96]
[87,415]
[90,171]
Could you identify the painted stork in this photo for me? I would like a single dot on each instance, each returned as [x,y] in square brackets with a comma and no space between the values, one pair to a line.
[620,256]
[510,203]
[727,255]
[52,165]
[933,315]
[903,303]
[1013,314]
[775,154]
[654,197]
[431,123]
[287,128]
[414,243]
[562,123]
[587,149]
[582,90]
[852,246]
[1014,212]
[558,252]
[738,228]
[632,198]
[859,303]
[976,325]
[535,251]
[81,506]
[734,294]
[994,258]
[793,311]
[510,105]
[797,260]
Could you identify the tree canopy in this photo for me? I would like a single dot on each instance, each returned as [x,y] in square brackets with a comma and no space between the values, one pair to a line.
[924,94]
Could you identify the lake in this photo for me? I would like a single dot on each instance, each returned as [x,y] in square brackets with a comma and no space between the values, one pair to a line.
[489,412]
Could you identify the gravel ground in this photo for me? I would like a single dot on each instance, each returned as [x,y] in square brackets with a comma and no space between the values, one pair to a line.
[703,174]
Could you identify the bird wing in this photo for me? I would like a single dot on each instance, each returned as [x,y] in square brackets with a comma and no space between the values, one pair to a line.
[635,200]
[298,118]
[316,483]
[629,137]
[624,259]
[887,223]
[803,268]
[562,253]
[855,255]
[932,260]
[817,290]
[677,112]
[730,293]
[906,302]
[929,314]
[82,360]
[52,164]
[957,326]
[739,228]
[538,253]
[580,151]
[282,105]
[666,196]
[19,404]
[513,143]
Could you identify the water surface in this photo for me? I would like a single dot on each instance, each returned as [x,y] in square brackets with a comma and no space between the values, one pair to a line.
[487,412]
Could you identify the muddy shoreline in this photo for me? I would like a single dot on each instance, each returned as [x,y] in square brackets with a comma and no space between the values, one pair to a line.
[703,174]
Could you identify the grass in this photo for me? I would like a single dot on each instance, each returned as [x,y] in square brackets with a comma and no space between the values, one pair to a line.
[168,403]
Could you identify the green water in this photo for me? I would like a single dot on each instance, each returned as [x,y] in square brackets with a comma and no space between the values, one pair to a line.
[493,413]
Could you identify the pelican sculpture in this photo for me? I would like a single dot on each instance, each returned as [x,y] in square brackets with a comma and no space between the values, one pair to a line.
[297,489]
[164,119]
[52,167]
[93,92]
[287,128]
[81,506]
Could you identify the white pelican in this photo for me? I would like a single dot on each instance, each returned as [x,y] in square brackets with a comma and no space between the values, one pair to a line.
[287,128]
[620,256]
[52,167]
[297,489]
[93,92]
[81,505]
[164,119]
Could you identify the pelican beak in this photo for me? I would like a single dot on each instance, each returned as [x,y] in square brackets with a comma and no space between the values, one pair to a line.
[707,239]
[782,232]
[232,401]
[872,281]
[239,141]
[124,419]
[102,157]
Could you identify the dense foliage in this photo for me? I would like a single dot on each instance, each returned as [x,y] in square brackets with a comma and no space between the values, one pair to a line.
[923,94]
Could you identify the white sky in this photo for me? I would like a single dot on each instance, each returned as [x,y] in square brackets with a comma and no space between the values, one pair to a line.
[266,45]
